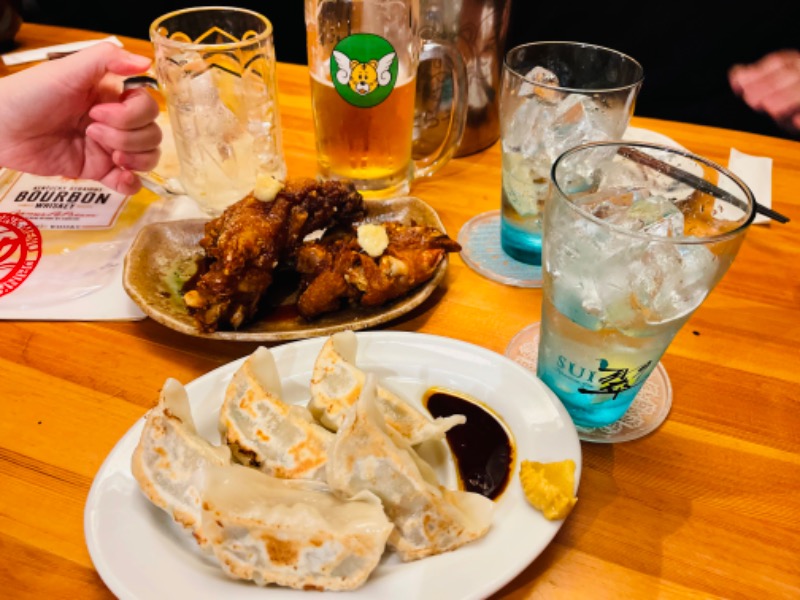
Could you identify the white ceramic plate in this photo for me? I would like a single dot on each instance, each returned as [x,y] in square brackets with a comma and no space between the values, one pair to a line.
[637,134]
[658,182]
[142,555]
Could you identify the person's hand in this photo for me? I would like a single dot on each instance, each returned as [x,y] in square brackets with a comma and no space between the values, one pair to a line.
[69,117]
[772,85]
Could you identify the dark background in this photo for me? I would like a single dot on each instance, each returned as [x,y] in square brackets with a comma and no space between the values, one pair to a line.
[132,18]
[685,48]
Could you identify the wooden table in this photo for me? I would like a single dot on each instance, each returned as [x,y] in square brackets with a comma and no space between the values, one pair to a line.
[707,506]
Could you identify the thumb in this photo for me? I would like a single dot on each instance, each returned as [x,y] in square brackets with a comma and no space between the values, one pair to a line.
[110,58]
[127,63]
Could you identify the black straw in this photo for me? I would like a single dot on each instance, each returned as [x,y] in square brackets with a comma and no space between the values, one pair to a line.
[696,182]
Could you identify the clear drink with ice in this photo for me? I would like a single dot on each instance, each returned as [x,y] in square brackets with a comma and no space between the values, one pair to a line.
[216,69]
[629,255]
[225,131]
[554,95]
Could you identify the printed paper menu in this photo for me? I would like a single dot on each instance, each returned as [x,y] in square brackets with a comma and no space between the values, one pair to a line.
[59,203]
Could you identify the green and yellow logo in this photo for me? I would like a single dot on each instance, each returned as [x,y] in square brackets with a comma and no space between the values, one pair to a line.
[364,69]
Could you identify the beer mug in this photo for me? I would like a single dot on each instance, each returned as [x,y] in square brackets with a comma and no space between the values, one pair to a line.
[215,69]
[363,57]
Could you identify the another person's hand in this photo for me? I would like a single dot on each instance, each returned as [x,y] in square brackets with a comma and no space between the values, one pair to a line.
[70,117]
[772,85]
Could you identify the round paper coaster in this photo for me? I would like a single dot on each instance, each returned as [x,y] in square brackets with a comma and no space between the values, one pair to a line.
[648,410]
[481,250]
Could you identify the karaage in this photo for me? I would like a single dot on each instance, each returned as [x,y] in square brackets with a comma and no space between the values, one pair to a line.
[252,238]
[337,270]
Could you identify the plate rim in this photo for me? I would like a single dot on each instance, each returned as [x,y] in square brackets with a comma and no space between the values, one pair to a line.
[440,343]
[634,133]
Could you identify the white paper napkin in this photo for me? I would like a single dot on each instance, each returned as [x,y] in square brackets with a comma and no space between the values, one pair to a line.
[756,172]
[74,278]
[26,56]
[111,303]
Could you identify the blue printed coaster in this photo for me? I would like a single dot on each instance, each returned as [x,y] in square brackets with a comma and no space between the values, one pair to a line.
[646,414]
[482,251]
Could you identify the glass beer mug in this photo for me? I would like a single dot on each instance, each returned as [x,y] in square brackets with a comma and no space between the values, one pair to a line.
[215,71]
[363,57]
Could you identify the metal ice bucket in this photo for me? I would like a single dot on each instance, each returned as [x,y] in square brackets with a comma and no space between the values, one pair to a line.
[478,28]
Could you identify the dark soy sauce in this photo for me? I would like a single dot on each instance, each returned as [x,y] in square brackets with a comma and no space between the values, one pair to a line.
[482,447]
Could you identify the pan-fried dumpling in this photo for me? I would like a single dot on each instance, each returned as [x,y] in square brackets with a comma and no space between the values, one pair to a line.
[263,431]
[291,532]
[170,456]
[336,384]
[428,518]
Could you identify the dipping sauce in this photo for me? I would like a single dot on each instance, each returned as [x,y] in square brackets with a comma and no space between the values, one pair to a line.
[483,449]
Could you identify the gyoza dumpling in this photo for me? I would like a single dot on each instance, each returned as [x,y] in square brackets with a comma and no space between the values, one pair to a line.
[428,518]
[170,456]
[336,384]
[291,532]
[263,431]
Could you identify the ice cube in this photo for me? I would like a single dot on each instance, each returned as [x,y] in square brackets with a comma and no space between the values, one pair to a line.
[614,268]
[613,289]
[526,182]
[541,75]
[648,276]
[573,123]
[674,280]
[524,129]
[654,215]
[572,110]
[622,172]
[189,58]
[538,77]
[606,204]
[582,253]
[199,91]
[574,301]
[692,281]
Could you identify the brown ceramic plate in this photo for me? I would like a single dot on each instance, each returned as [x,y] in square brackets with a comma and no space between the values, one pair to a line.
[163,253]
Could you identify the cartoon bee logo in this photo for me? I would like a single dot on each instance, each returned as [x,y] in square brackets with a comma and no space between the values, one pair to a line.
[363,69]
[363,78]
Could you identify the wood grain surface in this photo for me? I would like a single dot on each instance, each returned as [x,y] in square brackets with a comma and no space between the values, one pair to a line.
[707,506]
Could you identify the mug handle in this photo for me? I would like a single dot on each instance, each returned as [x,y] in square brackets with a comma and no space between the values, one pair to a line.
[151,180]
[449,54]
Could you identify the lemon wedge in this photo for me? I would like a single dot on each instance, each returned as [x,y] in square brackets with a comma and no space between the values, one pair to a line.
[549,486]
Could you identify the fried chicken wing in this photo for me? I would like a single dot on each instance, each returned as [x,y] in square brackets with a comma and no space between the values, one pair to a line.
[336,270]
[247,243]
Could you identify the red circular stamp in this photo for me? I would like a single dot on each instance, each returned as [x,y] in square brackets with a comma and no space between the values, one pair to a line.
[20,251]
